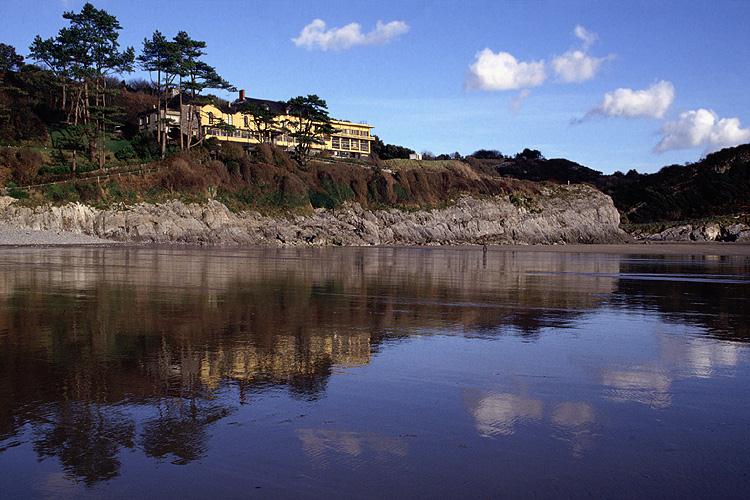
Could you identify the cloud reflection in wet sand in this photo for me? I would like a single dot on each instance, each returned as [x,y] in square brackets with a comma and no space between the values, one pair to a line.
[500,413]
[651,384]
[503,414]
[320,443]
[640,386]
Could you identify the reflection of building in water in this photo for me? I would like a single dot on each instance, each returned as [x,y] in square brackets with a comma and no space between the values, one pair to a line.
[288,358]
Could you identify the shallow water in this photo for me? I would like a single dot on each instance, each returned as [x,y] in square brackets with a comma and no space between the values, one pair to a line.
[372,372]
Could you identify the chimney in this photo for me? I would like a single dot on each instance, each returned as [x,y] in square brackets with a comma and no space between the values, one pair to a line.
[242,95]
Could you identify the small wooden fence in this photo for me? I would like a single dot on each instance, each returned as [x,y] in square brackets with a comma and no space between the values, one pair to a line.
[95,175]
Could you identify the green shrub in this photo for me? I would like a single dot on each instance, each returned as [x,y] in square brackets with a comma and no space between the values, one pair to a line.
[117,193]
[334,194]
[401,194]
[54,170]
[126,153]
[87,191]
[321,199]
[16,192]
[145,146]
[61,193]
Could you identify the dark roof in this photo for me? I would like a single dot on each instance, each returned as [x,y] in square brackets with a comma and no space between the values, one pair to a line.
[225,107]
[277,107]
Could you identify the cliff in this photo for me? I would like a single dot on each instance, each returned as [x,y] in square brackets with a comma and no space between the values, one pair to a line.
[554,214]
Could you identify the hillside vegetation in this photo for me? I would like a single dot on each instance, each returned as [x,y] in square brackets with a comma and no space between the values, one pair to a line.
[267,180]
[717,185]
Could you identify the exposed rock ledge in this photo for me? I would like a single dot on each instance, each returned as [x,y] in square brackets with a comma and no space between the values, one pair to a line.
[565,214]
[705,231]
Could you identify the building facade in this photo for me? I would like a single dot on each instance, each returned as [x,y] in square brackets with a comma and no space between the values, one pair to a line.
[226,123]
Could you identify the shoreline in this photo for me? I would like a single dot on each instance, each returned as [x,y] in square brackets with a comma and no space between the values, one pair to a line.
[13,237]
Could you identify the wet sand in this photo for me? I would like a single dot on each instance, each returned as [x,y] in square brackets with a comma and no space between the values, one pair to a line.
[191,372]
[660,248]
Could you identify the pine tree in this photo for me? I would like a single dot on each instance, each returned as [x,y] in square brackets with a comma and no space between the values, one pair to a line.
[309,124]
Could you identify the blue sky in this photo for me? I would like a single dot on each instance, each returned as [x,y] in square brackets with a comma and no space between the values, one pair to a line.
[425,80]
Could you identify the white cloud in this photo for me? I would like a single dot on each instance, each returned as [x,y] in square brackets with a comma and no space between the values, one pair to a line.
[585,36]
[502,71]
[316,36]
[701,127]
[652,102]
[577,66]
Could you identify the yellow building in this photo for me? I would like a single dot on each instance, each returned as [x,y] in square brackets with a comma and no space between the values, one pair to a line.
[225,123]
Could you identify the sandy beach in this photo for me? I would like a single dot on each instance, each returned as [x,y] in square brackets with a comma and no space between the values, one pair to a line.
[13,236]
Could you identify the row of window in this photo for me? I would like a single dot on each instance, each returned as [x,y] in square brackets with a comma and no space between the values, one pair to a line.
[350,144]
[229,120]
[336,142]
[349,131]
[244,134]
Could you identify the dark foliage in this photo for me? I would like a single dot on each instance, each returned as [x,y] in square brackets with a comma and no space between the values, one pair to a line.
[390,151]
[487,154]
[530,154]
[717,185]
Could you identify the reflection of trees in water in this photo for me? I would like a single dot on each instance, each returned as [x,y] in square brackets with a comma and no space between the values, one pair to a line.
[85,437]
[179,429]
[168,329]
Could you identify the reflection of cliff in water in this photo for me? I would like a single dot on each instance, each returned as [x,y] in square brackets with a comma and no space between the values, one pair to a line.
[703,290]
[83,329]
[166,330]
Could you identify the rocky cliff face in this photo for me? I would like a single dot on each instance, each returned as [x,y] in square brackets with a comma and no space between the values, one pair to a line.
[560,214]
[705,231]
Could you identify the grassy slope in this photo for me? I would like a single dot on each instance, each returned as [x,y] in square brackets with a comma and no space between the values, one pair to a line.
[271,182]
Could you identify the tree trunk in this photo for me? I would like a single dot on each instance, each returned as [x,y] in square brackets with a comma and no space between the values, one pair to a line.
[101,127]
[182,119]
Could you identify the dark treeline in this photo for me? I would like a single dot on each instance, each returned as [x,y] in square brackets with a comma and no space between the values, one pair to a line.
[717,185]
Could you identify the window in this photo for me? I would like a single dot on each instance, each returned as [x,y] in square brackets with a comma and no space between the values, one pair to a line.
[210,118]
[247,122]
[230,120]
[344,143]
[336,143]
